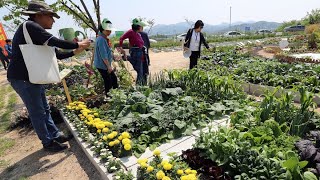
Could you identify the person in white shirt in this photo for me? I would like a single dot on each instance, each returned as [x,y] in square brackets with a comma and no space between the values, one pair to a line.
[193,42]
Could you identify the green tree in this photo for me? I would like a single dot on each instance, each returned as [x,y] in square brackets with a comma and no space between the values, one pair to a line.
[80,13]
[313,17]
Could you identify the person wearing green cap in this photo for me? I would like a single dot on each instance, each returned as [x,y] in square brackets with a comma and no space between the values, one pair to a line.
[137,57]
[103,56]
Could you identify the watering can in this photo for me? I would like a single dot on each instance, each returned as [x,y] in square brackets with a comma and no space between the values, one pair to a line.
[69,34]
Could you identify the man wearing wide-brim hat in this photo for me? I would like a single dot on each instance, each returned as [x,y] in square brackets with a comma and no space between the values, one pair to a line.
[33,95]
[39,7]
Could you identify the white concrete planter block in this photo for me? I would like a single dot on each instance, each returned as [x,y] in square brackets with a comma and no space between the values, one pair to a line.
[205,130]
[172,143]
[258,90]
[90,154]
[245,87]
[134,169]
[317,99]
[132,160]
[224,121]
[182,146]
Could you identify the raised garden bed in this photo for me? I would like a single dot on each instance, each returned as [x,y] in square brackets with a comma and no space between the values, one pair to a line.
[130,163]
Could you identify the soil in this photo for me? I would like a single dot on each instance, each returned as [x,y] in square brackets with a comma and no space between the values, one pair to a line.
[26,159]
[263,53]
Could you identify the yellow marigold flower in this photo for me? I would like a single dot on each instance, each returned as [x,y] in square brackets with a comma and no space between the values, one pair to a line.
[111,143]
[167,166]
[85,113]
[157,152]
[99,131]
[127,147]
[193,172]
[142,160]
[115,133]
[97,119]
[68,107]
[125,135]
[120,138]
[184,178]
[90,118]
[90,115]
[108,124]
[126,141]
[164,162]
[144,165]
[180,172]
[188,171]
[150,169]
[189,177]
[105,138]
[116,142]
[166,178]
[110,136]
[100,126]
[96,114]
[160,175]
[105,130]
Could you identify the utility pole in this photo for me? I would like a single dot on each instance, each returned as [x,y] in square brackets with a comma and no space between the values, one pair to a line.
[230,19]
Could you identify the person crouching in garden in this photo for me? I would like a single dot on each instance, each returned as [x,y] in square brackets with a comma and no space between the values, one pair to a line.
[138,57]
[193,41]
[103,56]
[33,95]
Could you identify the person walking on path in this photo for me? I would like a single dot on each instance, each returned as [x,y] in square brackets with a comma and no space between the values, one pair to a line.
[193,41]
[4,58]
[103,56]
[33,95]
[137,54]
[8,48]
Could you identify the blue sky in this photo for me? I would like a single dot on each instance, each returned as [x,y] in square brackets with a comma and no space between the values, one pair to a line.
[210,11]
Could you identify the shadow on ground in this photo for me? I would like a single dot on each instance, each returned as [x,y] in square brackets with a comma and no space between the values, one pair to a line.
[31,165]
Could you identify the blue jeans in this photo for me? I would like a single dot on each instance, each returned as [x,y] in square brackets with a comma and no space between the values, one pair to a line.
[34,98]
[136,61]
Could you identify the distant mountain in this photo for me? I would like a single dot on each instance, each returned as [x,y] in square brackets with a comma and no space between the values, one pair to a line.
[255,26]
[182,27]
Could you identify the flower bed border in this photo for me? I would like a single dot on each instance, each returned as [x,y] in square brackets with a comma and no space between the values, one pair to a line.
[86,149]
[103,170]
[258,90]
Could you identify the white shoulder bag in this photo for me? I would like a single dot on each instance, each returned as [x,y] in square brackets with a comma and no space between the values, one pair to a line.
[40,60]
